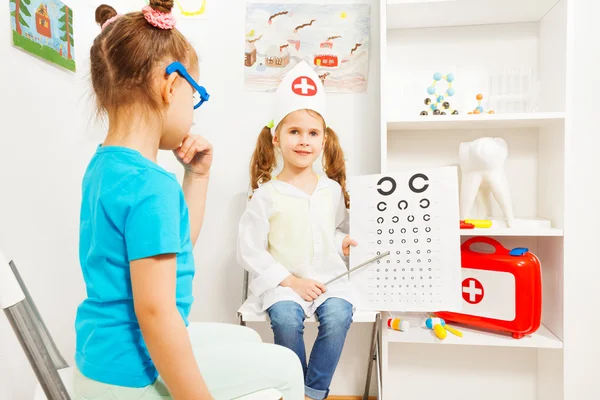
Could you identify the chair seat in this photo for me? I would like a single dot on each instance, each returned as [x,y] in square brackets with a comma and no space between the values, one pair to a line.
[359,316]
[201,334]
[66,374]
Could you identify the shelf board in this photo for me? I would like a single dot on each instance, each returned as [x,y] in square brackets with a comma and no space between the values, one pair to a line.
[543,338]
[402,14]
[476,121]
[511,232]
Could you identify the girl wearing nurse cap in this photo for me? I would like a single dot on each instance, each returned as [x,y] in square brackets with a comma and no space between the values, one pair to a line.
[294,233]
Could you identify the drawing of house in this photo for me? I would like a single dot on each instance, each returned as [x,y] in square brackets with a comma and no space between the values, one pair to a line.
[327,44]
[42,21]
[295,43]
[250,52]
[278,56]
[327,58]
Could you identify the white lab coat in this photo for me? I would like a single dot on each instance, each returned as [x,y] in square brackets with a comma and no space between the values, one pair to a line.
[285,231]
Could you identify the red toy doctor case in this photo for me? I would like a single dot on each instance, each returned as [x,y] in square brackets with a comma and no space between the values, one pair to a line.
[501,291]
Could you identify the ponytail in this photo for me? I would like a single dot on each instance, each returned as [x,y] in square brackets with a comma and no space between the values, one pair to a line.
[334,163]
[263,159]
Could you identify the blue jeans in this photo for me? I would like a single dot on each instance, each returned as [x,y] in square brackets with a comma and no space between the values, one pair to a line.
[335,317]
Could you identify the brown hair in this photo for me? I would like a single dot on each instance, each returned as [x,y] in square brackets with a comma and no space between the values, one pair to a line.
[126,54]
[264,161]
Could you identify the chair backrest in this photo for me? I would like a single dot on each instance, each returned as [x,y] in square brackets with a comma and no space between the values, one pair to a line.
[26,322]
[245,285]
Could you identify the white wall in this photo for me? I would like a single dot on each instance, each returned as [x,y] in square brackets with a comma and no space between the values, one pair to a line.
[582,216]
[46,141]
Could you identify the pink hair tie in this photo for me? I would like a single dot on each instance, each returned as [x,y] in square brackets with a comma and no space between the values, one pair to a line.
[110,20]
[159,19]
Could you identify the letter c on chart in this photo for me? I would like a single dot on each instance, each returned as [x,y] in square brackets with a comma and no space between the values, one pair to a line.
[411,183]
[383,192]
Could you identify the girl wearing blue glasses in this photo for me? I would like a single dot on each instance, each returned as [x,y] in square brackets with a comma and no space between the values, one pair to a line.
[139,226]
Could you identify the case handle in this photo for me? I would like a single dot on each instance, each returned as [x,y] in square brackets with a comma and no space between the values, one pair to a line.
[499,249]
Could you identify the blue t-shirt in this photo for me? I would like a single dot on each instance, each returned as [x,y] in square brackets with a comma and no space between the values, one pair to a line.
[131,208]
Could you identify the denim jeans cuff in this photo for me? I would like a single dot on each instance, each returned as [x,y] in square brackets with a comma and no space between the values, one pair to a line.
[315,394]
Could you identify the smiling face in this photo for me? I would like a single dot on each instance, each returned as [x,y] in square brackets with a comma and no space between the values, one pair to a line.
[300,138]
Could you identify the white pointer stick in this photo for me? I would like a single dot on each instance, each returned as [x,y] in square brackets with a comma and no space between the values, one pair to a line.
[387,253]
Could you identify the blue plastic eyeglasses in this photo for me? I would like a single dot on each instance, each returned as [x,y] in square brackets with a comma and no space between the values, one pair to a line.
[180,69]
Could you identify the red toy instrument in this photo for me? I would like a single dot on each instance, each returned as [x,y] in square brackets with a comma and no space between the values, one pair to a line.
[501,291]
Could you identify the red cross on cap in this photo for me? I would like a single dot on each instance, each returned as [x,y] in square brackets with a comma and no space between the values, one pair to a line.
[472,291]
[304,86]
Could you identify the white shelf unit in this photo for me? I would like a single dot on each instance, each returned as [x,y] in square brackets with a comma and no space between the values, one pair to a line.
[483,121]
[515,232]
[478,41]
[404,14]
[543,338]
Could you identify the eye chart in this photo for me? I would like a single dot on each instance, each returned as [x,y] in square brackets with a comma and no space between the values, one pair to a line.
[415,216]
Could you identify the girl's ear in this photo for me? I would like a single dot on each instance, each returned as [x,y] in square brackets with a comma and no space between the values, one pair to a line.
[275,140]
[167,90]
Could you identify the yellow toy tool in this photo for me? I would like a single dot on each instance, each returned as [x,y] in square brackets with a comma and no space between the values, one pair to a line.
[479,223]
[439,327]
[437,324]
[453,330]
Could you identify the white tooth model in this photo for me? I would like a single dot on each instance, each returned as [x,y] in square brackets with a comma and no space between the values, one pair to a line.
[482,169]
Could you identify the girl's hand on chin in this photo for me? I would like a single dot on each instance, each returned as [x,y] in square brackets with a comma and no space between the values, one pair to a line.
[196,155]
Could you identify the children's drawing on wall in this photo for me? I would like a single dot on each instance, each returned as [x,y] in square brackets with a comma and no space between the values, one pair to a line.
[188,9]
[44,28]
[192,9]
[334,39]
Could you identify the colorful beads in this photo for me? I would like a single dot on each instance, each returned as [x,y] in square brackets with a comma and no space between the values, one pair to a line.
[479,109]
[439,98]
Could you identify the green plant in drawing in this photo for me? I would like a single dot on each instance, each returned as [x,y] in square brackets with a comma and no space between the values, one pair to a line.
[20,11]
[67,28]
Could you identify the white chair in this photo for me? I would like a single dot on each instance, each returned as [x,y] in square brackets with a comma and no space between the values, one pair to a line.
[247,314]
[54,375]
[51,370]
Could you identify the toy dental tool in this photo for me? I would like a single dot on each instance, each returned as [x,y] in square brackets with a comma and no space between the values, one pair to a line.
[359,266]
[398,325]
